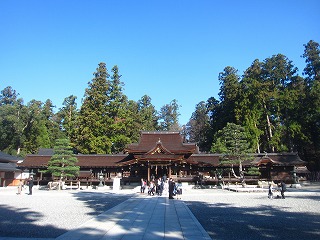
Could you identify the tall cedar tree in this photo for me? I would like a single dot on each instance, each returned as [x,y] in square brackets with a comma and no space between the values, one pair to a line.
[93,119]
[63,163]
[118,113]
[148,114]
[198,127]
[67,116]
[169,117]
[229,89]
[12,122]
[311,121]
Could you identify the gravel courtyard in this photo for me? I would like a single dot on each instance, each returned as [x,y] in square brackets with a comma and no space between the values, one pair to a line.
[223,214]
[230,215]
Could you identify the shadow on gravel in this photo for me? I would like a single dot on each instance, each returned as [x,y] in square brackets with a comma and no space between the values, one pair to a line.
[24,223]
[21,222]
[100,201]
[312,197]
[225,221]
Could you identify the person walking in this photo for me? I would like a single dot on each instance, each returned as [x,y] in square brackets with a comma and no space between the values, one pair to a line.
[30,184]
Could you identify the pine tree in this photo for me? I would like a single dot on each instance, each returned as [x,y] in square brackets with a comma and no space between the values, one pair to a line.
[233,143]
[63,163]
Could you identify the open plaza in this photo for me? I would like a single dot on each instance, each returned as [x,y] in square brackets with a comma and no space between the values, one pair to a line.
[127,214]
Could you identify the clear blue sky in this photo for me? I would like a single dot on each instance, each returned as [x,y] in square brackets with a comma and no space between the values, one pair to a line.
[166,49]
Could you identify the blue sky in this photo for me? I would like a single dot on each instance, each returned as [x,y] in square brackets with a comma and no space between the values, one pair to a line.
[166,49]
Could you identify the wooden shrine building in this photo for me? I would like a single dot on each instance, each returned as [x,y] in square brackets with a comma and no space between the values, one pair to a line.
[159,154]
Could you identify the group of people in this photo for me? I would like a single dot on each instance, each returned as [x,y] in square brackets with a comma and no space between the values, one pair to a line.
[161,186]
[282,188]
[29,183]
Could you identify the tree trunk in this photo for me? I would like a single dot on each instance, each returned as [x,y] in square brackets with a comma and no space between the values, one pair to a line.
[268,124]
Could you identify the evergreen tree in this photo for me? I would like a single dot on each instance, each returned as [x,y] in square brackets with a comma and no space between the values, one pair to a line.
[229,89]
[118,113]
[12,124]
[233,143]
[311,119]
[36,132]
[277,73]
[67,117]
[147,114]
[199,127]
[169,117]
[94,119]
[312,58]
[8,96]
[63,163]
[51,122]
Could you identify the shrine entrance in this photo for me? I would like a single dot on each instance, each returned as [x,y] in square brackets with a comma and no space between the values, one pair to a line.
[158,171]
[159,153]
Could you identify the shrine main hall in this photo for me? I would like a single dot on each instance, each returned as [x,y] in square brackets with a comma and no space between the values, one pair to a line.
[159,154]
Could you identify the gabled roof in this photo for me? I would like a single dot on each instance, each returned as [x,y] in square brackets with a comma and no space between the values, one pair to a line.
[158,149]
[283,159]
[171,141]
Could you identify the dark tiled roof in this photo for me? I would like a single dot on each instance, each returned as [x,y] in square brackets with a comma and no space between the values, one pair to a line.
[83,160]
[204,159]
[284,159]
[100,160]
[8,158]
[8,167]
[45,151]
[170,140]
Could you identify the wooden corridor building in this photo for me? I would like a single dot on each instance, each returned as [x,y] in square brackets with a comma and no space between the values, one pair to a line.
[160,154]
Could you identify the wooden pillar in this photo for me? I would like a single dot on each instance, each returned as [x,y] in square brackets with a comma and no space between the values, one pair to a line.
[148,172]
[169,171]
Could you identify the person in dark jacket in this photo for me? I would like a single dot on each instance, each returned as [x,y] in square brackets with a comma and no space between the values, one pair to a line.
[171,188]
[283,188]
[30,184]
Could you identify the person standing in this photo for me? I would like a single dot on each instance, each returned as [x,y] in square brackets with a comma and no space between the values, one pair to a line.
[30,184]
[19,187]
[270,194]
[171,188]
[143,185]
[283,188]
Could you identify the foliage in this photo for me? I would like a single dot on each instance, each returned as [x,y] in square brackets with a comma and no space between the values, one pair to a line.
[232,142]
[63,163]
[169,117]
[198,127]
[278,109]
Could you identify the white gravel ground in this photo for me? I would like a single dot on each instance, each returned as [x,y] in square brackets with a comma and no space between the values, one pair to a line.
[230,215]
[224,214]
[51,213]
